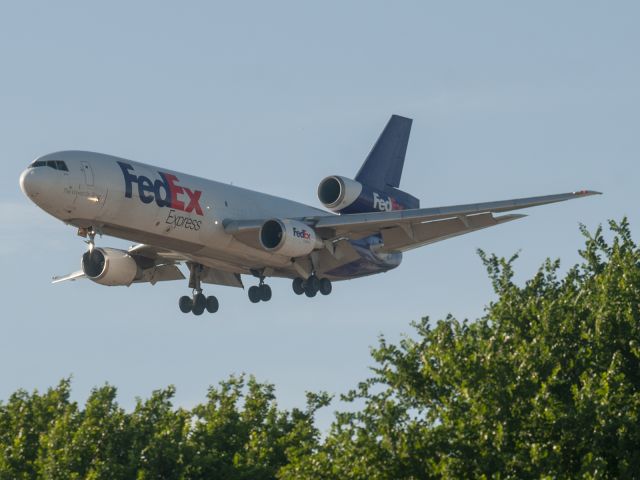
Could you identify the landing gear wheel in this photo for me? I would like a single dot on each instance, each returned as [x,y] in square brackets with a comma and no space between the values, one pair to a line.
[186,304]
[199,304]
[309,289]
[298,286]
[265,292]
[312,283]
[325,286]
[212,304]
[254,294]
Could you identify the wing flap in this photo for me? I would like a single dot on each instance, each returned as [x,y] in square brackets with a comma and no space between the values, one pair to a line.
[220,277]
[156,253]
[160,273]
[398,239]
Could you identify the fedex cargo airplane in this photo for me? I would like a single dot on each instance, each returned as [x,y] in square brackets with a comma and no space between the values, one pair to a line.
[221,232]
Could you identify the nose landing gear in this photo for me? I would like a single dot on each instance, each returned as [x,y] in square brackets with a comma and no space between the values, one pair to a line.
[90,233]
[198,302]
[260,292]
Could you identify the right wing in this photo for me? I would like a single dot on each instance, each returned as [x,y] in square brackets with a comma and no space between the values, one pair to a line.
[403,230]
[406,229]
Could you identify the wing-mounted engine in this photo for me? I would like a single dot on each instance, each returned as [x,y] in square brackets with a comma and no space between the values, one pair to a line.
[114,267]
[343,195]
[110,266]
[289,238]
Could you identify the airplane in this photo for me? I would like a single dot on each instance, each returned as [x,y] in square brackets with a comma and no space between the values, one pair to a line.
[221,232]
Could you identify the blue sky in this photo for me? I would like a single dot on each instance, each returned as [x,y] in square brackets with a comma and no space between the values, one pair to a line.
[508,99]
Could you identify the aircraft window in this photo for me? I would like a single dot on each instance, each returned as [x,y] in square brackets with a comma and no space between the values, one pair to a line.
[55,164]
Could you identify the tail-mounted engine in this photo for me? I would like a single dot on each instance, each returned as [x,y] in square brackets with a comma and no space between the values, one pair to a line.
[109,266]
[343,195]
[289,238]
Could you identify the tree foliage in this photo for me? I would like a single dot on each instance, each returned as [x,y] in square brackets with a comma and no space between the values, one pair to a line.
[545,385]
[238,433]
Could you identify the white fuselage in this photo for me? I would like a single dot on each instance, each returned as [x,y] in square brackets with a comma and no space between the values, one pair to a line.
[157,206]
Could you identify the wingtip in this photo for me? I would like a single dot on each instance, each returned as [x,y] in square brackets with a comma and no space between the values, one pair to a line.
[586,193]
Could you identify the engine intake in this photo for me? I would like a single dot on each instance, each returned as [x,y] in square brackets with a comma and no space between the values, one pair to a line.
[343,195]
[337,193]
[290,238]
[110,266]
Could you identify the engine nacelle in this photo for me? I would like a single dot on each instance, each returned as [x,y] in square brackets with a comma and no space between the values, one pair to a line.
[337,193]
[290,238]
[343,195]
[110,266]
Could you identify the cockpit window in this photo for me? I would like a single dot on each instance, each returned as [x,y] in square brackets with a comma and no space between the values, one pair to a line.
[55,164]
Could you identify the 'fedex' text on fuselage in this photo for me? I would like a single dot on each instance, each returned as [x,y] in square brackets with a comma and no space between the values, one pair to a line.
[165,191]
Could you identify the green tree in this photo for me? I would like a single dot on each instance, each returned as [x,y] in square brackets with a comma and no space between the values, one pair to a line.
[160,435]
[98,441]
[545,385]
[24,420]
[240,433]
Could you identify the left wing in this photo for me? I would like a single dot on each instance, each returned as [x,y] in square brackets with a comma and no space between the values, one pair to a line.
[71,277]
[208,275]
[151,274]
[160,264]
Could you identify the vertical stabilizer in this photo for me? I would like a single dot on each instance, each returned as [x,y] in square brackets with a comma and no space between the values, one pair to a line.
[383,166]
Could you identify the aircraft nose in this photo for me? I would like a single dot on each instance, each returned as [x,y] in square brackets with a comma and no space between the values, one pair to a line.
[31,183]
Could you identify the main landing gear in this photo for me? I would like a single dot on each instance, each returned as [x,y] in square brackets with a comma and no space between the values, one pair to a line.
[260,292]
[198,302]
[311,286]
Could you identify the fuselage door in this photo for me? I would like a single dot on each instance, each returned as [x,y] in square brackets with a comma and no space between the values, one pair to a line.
[88,174]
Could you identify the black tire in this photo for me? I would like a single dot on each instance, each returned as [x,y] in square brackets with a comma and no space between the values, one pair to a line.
[313,283]
[325,286]
[298,286]
[309,291]
[254,294]
[199,304]
[212,304]
[186,304]
[265,292]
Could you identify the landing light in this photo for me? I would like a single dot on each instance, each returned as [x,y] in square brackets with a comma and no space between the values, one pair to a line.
[93,199]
